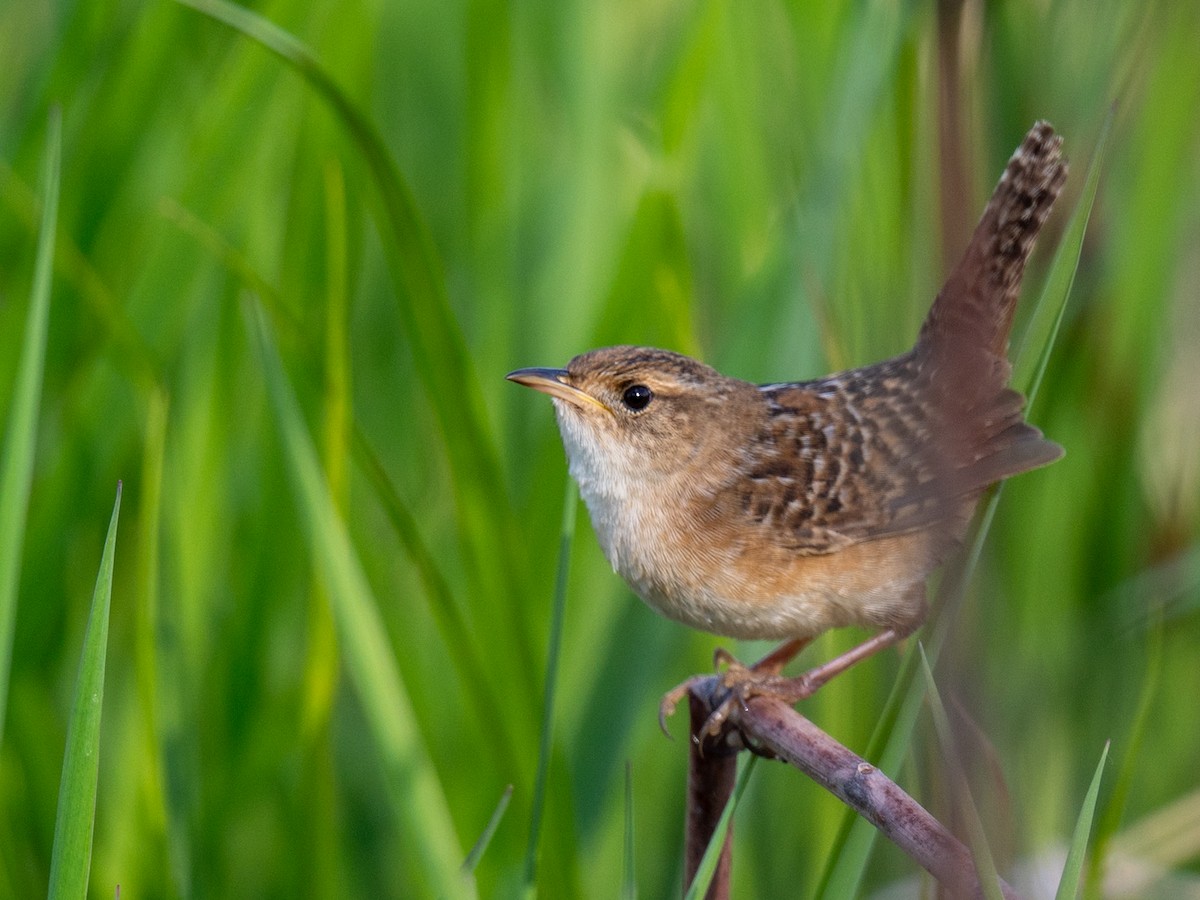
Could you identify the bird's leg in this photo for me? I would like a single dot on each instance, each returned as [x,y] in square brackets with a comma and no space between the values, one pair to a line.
[763,678]
[772,663]
[793,690]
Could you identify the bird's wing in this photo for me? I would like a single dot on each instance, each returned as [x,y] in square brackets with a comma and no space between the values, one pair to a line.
[874,452]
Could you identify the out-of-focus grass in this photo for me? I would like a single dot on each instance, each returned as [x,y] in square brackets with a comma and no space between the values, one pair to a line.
[20,432]
[757,184]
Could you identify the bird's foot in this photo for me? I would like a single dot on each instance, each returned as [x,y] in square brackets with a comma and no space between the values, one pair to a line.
[738,681]
[741,682]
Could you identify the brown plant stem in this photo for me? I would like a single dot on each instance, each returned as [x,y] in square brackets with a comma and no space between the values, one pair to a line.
[712,772]
[769,727]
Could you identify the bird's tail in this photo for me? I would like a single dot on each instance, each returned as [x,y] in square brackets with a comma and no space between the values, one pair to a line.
[974,310]
[963,346]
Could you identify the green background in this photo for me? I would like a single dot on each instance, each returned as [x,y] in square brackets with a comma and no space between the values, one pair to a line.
[762,184]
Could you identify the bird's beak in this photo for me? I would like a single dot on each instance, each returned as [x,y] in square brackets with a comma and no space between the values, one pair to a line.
[554,383]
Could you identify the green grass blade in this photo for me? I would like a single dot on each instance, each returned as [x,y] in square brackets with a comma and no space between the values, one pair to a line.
[1052,304]
[416,794]
[985,865]
[71,859]
[712,853]
[438,342]
[629,874]
[454,628]
[147,661]
[1132,759]
[16,466]
[321,670]
[1068,885]
[489,830]
[557,617]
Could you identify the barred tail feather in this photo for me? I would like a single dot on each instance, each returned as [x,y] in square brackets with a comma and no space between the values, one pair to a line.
[974,309]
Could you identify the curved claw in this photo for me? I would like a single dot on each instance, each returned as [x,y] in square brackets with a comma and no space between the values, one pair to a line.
[670,700]
[666,709]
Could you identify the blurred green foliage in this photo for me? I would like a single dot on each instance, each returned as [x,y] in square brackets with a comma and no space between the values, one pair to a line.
[757,183]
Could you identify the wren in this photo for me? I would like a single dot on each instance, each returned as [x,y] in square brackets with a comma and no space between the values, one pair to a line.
[782,510]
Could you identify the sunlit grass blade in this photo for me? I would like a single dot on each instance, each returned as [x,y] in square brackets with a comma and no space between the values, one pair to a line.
[71,859]
[712,853]
[553,652]
[489,830]
[1068,885]
[416,794]
[985,865]
[16,465]
[870,55]
[1040,334]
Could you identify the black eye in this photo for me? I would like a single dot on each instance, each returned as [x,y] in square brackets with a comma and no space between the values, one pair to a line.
[637,397]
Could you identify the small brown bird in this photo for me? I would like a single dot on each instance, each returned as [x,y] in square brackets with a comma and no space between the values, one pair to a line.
[782,510]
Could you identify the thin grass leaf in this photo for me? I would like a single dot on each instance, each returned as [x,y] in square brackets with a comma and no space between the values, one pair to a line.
[416,794]
[472,861]
[16,466]
[163,822]
[235,261]
[629,867]
[554,651]
[1114,809]
[321,669]
[457,637]
[985,865]
[161,666]
[71,859]
[1068,885]
[712,853]
[1052,304]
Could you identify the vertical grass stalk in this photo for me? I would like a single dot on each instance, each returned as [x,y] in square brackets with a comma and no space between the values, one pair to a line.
[71,858]
[557,616]
[16,466]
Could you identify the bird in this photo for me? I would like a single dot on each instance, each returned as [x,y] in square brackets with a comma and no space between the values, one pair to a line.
[780,511]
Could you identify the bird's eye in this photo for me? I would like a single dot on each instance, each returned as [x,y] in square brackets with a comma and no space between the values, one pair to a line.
[637,397]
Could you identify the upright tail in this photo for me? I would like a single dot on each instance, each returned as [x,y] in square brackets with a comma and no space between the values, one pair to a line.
[974,310]
[963,346]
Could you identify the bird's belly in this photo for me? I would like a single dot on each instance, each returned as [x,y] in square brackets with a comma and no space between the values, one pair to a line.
[729,590]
